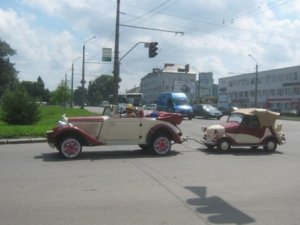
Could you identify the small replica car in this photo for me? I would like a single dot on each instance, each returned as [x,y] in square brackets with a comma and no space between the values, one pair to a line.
[245,127]
[155,134]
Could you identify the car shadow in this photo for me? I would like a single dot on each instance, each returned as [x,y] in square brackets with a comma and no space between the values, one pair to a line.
[104,155]
[217,210]
[239,152]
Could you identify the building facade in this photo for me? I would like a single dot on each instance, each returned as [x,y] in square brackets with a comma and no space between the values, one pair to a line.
[276,89]
[172,78]
[204,85]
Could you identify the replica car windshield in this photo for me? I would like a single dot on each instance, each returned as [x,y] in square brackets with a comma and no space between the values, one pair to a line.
[235,117]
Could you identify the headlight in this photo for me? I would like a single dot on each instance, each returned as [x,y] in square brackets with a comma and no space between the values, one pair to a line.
[61,123]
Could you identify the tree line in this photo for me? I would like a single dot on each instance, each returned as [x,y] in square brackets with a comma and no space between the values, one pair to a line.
[11,89]
[98,89]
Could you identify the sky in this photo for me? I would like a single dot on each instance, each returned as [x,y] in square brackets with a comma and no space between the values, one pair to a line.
[212,36]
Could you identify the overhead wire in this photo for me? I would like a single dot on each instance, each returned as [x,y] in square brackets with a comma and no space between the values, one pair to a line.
[207,27]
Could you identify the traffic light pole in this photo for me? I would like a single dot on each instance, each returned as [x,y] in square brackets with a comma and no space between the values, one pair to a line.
[116,71]
[141,42]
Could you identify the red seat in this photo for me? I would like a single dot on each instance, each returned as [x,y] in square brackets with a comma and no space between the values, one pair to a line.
[140,113]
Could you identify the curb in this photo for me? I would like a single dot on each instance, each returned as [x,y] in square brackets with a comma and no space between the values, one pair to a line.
[22,140]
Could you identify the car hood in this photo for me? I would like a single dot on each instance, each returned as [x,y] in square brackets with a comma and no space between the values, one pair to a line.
[228,127]
[86,119]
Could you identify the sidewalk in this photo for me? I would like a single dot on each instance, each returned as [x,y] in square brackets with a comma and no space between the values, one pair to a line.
[22,140]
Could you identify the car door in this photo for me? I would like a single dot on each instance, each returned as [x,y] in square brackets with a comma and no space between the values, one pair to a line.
[249,131]
[118,130]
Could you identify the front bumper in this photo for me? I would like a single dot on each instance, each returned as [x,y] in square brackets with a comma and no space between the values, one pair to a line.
[51,139]
[282,139]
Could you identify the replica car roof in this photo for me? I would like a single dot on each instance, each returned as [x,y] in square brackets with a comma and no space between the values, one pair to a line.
[265,117]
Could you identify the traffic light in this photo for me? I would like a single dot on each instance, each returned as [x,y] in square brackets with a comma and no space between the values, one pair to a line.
[153,49]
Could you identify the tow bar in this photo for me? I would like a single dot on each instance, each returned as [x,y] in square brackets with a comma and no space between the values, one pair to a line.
[194,139]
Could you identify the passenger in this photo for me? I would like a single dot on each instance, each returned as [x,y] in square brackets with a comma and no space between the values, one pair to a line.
[130,111]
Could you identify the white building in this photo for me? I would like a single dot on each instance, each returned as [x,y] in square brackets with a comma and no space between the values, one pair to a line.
[172,78]
[204,85]
[276,89]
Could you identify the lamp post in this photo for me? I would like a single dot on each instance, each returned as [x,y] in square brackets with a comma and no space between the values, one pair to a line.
[256,75]
[72,81]
[83,69]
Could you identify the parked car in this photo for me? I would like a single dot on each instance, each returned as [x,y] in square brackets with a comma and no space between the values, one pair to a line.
[153,134]
[206,111]
[245,127]
[151,106]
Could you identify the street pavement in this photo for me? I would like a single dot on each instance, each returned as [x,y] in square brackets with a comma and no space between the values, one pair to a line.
[114,185]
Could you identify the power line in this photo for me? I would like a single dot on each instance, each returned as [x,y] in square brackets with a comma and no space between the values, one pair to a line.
[155,29]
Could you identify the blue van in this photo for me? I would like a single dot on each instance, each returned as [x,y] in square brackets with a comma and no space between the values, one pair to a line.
[175,102]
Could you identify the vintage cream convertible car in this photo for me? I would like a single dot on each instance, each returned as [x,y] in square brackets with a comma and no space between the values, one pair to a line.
[245,127]
[150,133]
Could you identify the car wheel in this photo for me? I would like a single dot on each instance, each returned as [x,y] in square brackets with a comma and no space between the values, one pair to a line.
[70,147]
[270,145]
[224,145]
[161,145]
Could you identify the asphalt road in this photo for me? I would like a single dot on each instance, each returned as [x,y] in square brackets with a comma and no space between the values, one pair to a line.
[121,185]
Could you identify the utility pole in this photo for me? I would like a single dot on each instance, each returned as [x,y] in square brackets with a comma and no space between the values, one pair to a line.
[72,82]
[83,71]
[83,75]
[65,92]
[116,71]
[256,80]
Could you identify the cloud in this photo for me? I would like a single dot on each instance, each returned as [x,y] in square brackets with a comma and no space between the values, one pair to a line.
[218,36]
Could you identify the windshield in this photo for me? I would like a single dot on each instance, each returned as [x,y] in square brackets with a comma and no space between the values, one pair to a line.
[110,110]
[209,107]
[235,117]
[181,101]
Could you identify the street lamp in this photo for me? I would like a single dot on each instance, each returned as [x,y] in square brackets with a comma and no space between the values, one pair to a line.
[72,81]
[83,69]
[256,74]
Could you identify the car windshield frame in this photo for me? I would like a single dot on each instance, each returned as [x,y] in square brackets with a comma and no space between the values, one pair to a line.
[110,110]
[235,117]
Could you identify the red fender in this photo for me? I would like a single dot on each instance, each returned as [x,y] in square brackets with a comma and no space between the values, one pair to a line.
[59,132]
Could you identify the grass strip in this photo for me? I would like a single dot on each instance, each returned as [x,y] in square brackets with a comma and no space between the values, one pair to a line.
[49,118]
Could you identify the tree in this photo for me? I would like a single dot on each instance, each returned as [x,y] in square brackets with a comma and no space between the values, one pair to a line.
[36,90]
[77,96]
[18,107]
[62,94]
[8,74]
[100,89]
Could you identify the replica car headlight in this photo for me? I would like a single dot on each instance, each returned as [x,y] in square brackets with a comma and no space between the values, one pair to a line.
[61,123]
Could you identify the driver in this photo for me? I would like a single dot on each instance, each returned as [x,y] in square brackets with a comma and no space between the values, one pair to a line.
[130,111]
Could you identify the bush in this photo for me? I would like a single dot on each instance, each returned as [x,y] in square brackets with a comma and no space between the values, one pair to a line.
[18,108]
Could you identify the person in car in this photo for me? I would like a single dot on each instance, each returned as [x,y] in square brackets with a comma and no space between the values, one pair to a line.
[130,111]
